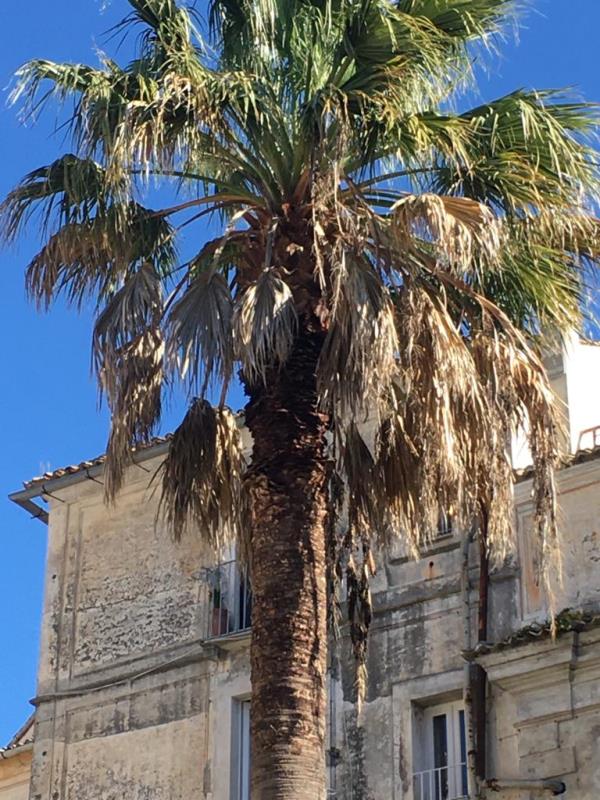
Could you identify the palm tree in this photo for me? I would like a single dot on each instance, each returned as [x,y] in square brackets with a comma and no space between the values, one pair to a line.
[382,277]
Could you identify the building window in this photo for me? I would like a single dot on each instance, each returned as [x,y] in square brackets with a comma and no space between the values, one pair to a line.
[241,750]
[440,753]
[230,600]
[445,527]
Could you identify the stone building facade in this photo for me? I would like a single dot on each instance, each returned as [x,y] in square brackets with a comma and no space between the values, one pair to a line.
[15,764]
[143,681]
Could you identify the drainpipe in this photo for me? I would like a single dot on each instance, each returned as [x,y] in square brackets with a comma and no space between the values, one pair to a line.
[478,674]
[553,787]
[468,644]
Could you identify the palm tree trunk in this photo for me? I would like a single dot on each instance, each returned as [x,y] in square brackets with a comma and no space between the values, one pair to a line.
[287,482]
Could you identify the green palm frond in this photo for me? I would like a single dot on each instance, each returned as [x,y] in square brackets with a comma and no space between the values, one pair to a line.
[528,151]
[463,19]
[430,253]
[67,191]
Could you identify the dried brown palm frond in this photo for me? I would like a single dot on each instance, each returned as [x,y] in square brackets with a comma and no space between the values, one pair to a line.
[462,230]
[360,614]
[335,551]
[349,549]
[131,310]
[365,511]
[199,329]
[265,325]
[92,258]
[132,377]
[423,444]
[75,262]
[202,476]
[358,359]
[516,381]
[128,356]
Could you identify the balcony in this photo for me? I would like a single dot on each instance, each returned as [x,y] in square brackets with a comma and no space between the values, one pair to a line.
[589,439]
[441,783]
[229,602]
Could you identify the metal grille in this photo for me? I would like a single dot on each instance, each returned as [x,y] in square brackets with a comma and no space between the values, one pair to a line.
[441,783]
[229,600]
[589,438]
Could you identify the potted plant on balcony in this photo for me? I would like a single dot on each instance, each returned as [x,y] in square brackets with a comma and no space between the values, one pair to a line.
[219,623]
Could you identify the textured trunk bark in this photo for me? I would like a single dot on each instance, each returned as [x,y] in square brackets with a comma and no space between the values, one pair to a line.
[287,482]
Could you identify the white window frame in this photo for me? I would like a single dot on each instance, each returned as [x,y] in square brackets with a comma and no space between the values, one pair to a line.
[429,780]
[240,749]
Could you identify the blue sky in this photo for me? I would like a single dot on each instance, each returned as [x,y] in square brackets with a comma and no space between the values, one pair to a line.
[48,403]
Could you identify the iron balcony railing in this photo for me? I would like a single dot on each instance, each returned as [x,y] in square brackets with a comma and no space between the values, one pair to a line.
[589,438]
[441,783]
[229,600]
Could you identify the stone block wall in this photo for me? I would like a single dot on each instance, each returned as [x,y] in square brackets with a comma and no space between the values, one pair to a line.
[133,702]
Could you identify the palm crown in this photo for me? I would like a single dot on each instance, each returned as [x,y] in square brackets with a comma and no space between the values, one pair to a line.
[431,247]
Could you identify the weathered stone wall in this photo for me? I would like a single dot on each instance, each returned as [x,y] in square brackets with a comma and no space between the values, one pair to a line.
[134,703]
[544,699]
[126,687]
[545,720]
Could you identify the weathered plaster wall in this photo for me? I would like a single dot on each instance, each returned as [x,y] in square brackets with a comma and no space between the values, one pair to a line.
[133,703]
[125,682]
[14,776]
[544,722]
[579,521]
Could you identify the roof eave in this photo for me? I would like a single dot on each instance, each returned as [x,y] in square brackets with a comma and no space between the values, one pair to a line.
[47,487]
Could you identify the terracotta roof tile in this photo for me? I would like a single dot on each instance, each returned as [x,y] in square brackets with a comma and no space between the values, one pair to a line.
[22,737]
[520,474]
[567,621]
[580,457]
[93,462]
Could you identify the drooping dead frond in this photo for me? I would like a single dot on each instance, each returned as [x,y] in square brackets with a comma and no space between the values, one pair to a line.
[200,333]
[201,475]
[265,325]
[350,553]
[335,550]
[132,377]
[128,354]
[131,311]
[463,231]
[424,443]
[366,512]
[358,359]
[360,613]
[92,258]
[516,382]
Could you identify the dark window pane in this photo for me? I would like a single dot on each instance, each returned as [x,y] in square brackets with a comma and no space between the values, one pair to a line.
[440,756]
[463,751]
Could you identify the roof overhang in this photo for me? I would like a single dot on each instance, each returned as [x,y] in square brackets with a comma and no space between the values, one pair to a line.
[47,487]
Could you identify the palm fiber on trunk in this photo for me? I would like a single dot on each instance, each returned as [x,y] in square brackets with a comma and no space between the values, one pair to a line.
[287,482]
